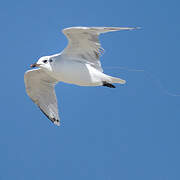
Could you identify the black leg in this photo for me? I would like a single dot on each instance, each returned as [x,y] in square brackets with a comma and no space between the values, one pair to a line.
[108,84]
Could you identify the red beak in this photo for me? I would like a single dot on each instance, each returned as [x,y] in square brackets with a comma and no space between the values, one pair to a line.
[34,65]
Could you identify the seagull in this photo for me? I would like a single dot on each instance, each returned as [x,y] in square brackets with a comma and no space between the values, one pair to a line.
[79,64]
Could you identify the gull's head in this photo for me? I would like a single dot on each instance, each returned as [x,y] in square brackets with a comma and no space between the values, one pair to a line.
[44,62]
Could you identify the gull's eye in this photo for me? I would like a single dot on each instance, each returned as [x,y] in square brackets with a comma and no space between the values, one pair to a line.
[45,61]
[50,60]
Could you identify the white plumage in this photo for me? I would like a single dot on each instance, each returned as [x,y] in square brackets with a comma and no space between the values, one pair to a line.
[78,64]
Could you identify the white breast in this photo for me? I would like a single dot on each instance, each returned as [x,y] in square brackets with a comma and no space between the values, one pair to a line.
[74,72]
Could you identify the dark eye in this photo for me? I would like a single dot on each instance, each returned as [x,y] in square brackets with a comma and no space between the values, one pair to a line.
[45,61]
[50,60]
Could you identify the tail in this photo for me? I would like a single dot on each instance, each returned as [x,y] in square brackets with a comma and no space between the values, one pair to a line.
[118,80]
[113,80]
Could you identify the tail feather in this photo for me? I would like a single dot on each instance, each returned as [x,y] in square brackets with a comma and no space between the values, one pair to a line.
[118,80]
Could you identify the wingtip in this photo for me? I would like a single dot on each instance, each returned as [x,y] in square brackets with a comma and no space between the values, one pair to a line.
[129,28]
[137,28]
[57,123]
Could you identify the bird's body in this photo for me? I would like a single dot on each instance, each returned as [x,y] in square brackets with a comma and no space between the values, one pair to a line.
[77,64]
[78,72]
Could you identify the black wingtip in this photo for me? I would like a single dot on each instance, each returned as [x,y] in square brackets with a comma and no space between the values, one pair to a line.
[53,120]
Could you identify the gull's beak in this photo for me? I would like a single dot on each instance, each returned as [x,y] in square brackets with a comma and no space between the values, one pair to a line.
[34,65]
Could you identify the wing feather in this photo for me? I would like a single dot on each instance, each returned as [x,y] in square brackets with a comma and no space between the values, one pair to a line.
[84,43]
[40,88]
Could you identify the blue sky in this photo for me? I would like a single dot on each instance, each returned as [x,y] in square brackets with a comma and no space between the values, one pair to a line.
[131,132]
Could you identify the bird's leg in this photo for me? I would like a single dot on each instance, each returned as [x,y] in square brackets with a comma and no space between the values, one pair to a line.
[108,84]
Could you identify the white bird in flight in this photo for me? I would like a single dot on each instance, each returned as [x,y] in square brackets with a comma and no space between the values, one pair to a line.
[77,64]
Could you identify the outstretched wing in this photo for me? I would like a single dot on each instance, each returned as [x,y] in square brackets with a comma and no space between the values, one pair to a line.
[84,43]
[40,88]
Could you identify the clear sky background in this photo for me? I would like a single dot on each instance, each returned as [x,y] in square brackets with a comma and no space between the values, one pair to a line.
[128,133]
